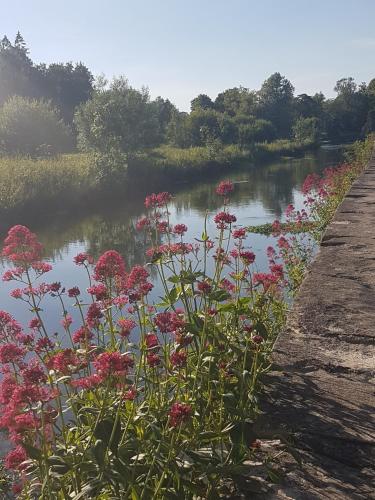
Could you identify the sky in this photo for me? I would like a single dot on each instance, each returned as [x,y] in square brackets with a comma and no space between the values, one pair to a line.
[181,48]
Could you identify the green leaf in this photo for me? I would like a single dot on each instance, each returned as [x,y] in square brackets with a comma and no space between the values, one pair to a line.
[98,450]
[104,430]
[32,452]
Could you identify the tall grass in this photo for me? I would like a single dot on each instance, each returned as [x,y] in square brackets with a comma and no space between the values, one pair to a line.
[25,182]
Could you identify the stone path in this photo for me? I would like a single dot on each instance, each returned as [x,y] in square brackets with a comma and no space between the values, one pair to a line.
[325,391]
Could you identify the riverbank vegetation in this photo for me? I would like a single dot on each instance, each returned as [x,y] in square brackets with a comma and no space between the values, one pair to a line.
[153,399]
[47,110]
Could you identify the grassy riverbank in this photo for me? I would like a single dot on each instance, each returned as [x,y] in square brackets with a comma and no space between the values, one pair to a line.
[70,180]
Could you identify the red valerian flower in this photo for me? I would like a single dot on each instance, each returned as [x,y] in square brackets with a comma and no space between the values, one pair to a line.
[168,322]
[11,353]
[83,258]
[178,359]
[14,459]
[157,200]
[33,373]
[94,314]
[180,229]
[67,321]
[239,233]
[110,265]
[82,335]
[8,326]
[222,219]
[35,323]
[99,291]
[248,257]
[88,382]
[153,359]
[41,267]
[143,223]
[179,414]
[21,246]
[204,287]
[126,326]
[64,362]
[265,279]
[113,363]
[151,340]
[130,394]
[74,292]
[224,188]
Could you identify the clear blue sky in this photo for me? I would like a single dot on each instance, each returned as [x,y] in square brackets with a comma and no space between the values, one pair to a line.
[180,48]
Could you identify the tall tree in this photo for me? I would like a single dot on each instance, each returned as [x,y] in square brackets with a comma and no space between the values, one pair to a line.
[276,103]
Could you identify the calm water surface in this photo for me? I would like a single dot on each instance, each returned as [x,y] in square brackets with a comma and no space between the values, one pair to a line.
[261,195]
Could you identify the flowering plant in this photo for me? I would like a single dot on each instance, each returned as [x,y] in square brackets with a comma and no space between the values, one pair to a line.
[140,399]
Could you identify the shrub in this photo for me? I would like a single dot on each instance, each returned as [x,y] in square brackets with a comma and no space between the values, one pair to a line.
[32,128]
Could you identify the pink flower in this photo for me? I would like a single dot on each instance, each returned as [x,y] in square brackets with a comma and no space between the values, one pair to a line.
[126,326]
[248,257]
[157,200]
[94,314]
[67,321]
[82,335]
[11,353]
[21,246]
[110,265]
[74,292]
[99,291]
[179,414]
[130,394]
[204,287]
[113,363]
[151,340]
[178,358]
[14,459]
[224,188]
[153,359]
[180,229]
[222,219]
[88,382]
[35,323]
[239,233]
[143,223]
[33,373]
[64,362]
[83,258]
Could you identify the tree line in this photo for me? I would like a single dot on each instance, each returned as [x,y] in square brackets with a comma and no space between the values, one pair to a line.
[47,109]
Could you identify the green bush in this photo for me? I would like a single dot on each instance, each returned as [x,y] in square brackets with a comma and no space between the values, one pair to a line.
[32,128]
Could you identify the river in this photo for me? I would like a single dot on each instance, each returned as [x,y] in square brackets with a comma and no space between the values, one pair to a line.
[261,195]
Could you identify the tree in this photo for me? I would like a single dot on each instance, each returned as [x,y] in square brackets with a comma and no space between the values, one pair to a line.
[276,103]
[67,85]
[32,127]
[204,126]
[119,118]
[202,101]
[255,131]
[306,129]
[163,109]
[347,114]
[238,100]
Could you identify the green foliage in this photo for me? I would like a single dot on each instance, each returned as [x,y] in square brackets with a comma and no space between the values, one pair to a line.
[53,182]
[67,85]
[119,118]
[255,131]
[32,128]
[306,129]
[276,103]
[202,101]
